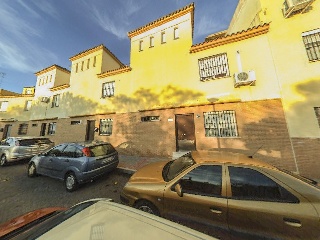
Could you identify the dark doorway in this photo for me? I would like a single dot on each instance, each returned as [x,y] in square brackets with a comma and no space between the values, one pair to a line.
[185,135]
[90,130]
[43,129]
[6,131]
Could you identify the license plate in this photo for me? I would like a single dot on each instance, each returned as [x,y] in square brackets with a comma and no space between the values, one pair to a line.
[107,160]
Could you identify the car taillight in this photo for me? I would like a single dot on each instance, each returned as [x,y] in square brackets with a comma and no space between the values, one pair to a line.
[86,151]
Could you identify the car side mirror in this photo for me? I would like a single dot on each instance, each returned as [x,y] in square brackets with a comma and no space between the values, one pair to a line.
[178,190]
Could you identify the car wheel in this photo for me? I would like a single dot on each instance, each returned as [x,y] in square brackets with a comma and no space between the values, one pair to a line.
[32,171]
[3,160]
[71,182]
[148,207]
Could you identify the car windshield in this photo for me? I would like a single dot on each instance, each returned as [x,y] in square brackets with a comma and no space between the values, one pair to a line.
[50,223]
[175,167]
[302,178]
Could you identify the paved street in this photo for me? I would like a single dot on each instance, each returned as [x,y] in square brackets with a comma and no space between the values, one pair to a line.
[20,194]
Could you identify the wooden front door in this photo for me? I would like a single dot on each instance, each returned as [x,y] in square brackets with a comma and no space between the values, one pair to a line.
[185,135]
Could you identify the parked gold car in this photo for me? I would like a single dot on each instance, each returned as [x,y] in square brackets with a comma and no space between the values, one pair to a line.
[228,193]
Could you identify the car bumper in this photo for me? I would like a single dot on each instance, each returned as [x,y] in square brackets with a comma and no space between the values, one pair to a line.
[88,176]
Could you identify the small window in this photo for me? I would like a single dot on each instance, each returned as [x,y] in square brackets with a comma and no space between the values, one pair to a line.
[55,101]
[205,180]
[82,64]
[176,33]
[163,37]
[140,45]
[249,184]
[317,112]
[52,128]
[108,89]
[150,118]
[3,106]
[151,41]
[94,61]
[105,127]
[311,42]
[77,67]
[23,129]
[28,105]
[220,124]
[88,63]
[34,125]
[76,122]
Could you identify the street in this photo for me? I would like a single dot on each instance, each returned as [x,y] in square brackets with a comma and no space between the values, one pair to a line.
[20,194]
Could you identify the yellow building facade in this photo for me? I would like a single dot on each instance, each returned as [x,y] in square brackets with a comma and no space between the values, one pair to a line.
[251,88]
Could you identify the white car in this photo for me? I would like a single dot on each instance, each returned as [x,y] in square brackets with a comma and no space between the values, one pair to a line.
[104,219]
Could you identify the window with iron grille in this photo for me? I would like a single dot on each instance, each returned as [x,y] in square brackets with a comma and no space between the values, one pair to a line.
[214,67]
[108,89]
[105,127]
[23,129]
[317,111]
[150,118]
[220,124]
[52,128]
[55,100]
[311,40]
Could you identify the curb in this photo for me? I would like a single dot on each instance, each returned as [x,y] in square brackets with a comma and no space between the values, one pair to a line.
[126,170]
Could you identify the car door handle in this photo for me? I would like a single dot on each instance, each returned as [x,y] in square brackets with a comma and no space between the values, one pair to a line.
[215,210]
[292,222]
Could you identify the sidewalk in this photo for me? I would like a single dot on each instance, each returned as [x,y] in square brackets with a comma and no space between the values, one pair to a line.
[130,164]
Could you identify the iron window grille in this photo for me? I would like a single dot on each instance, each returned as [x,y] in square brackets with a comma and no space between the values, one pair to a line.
[150,118]
[214,67]
[52,128]
[105,127]
[311,40]
[108,89]
[55,100]
[220,124]
[23,129]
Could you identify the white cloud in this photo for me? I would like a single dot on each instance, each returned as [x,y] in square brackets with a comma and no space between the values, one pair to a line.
[18,46]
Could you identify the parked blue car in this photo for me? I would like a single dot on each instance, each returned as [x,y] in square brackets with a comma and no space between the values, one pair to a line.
[75,163]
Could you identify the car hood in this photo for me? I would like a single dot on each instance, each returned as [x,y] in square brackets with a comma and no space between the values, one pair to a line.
[26,219]
[149,173]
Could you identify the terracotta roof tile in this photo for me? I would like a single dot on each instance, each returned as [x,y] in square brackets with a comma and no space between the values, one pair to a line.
[234,37]
[162,20]
[48,69]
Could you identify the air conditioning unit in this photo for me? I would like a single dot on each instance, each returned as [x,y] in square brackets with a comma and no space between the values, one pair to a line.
[244,78]
[292,6]
[45,99]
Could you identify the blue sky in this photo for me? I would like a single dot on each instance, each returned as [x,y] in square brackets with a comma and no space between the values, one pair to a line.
[35,34]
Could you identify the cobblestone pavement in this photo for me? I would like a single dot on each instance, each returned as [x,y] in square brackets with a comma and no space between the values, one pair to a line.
[20,194]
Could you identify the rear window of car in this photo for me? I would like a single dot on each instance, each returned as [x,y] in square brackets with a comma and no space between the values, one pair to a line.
[101,150]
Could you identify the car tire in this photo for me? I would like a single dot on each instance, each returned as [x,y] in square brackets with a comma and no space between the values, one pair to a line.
[71,182]
[148,207]
[3,160]
[32,171]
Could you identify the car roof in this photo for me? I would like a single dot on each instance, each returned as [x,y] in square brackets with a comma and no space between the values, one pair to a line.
[224,157]
[116,221]
[87,144]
